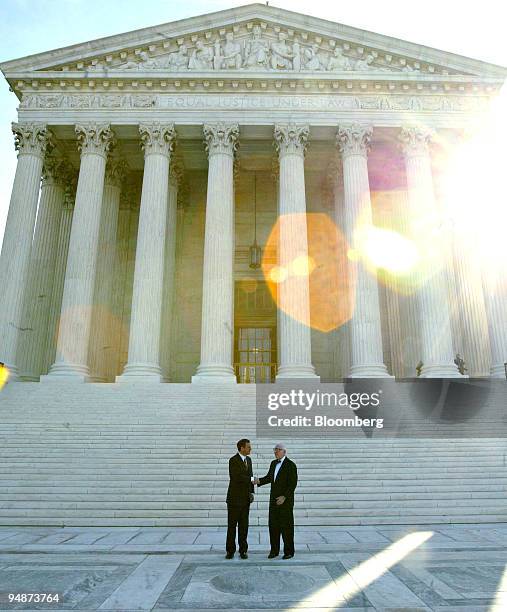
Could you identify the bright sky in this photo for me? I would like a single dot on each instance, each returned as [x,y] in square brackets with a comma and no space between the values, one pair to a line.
[475,29]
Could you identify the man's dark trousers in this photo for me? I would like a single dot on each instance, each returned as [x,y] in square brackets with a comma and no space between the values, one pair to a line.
[239,498]
[281,522]
[281,517]
[237,516]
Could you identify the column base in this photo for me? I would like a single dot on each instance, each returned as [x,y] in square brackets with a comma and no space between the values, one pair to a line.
[29,378]
[441,371]
[369,370]
[497,371]
[297,371]
[65,372]
[140,373]
[215,374]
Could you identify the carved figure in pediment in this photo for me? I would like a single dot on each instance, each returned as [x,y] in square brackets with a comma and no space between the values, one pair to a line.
[338,61]
[97,66]
[256,50]
[281,55]
[130,65]
[296,52]
[146,61]
[218,58]
[177,60]
[312,58]
[363,65]
[232,58]
[201,57]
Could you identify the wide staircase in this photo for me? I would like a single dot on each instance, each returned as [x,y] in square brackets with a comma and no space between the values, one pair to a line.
[135,455]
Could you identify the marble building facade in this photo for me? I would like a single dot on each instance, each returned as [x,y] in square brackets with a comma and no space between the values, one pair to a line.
[141,159]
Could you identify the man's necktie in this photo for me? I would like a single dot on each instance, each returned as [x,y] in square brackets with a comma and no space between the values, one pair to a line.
[245,461]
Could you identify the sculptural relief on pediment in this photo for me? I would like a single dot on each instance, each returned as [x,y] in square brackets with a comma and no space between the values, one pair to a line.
[256,47]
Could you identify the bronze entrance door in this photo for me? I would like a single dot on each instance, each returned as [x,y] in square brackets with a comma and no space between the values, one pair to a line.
[254,333]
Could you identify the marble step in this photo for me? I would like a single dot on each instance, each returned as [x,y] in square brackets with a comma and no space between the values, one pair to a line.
[178,484]
[305,490]
[221,513]
[261,503]
[262,522]
[26,494]
[324,473]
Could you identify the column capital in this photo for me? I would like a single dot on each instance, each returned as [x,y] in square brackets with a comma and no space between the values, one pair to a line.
[291,139]
[221,138]
[354,139]
[275,168]
[56,171]
[32,138]
[95,138]
[157,138]
[69,198]
[116,170]
[415,140]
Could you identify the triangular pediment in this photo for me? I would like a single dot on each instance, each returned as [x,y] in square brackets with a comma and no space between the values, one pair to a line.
[251,39]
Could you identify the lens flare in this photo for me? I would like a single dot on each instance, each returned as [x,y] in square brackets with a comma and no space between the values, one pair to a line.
[302,266]
[388,249]
[4,375]
[473,189]
[331,277]
[277,274]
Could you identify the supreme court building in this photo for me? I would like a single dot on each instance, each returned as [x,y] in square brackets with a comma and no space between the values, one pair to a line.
[211,200]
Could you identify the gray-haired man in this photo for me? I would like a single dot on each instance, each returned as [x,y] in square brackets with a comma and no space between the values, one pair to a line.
[283,477]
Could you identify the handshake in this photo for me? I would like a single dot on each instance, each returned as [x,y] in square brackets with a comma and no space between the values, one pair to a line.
[256,481]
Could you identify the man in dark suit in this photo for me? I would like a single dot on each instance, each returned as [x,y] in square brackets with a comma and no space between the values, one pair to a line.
[283,476]
[239,497]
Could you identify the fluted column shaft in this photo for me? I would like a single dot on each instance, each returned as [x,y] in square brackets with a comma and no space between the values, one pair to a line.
[101,351]
[76,315]
[55,307]
[145,323]
[366,356]
[293,292]
[120,269]
[31,141]
[495,294]
[42,267]
[170,258]
[433,306]
[217,329]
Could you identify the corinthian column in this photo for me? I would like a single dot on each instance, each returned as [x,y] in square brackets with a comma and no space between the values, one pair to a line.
[31,141]
[101,336]
[436,338]
[145,324]
[293,292]
[175,178]
[495,294]
[94,142]
[62,251]
[366,356]
[217,329]
[42,266]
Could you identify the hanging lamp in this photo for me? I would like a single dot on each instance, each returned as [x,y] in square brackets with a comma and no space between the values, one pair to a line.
[255,249]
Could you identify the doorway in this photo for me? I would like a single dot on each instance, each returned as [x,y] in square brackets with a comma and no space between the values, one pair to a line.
[255,346]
